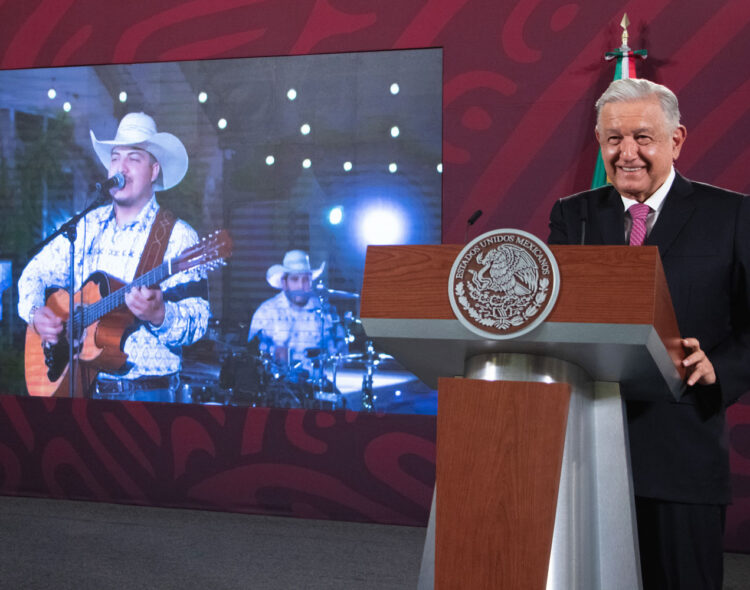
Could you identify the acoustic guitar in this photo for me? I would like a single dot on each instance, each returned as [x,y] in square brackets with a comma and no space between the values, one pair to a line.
[103,322]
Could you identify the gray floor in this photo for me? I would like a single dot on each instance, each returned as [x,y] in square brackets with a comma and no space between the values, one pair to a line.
[55,544]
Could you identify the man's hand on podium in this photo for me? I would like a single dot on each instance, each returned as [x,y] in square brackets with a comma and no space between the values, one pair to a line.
[699,368]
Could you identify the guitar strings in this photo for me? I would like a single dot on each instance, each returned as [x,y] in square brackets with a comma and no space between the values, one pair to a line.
[91,313]
[103,306]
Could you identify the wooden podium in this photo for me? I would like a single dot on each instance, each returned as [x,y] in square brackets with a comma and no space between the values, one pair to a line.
[533,483]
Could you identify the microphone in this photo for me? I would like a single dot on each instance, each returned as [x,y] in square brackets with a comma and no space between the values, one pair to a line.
[474,216]
[118,180]
[469,222]
[584,221]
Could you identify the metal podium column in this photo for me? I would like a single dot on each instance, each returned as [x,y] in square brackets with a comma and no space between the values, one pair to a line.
[594,543]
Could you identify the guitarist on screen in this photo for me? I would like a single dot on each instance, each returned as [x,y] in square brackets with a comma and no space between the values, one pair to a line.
[123,239]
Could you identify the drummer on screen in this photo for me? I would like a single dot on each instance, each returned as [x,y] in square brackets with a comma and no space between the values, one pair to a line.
[293,325]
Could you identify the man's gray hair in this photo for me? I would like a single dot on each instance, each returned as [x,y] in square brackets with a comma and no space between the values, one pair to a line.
[629,89]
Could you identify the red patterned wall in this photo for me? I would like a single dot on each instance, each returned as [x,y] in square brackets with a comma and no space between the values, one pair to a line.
[313,464]
[520,79]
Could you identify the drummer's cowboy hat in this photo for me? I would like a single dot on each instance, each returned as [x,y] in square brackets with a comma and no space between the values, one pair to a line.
[139,130]
[295,262]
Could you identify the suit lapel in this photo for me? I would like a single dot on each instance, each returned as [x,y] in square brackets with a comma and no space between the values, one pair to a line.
[678,207]
[612,218]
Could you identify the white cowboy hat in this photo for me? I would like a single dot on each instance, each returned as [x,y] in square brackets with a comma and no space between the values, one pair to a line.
[138,129]
[295,262]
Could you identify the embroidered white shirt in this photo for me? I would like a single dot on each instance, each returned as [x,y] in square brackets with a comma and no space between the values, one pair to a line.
[103,246]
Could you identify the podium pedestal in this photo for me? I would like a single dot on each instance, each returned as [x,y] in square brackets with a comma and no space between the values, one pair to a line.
[533,482]
[553,447]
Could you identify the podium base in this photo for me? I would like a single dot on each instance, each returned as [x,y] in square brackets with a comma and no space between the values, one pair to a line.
[593,543]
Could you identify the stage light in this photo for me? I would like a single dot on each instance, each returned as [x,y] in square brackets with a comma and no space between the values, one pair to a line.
[392,168]
[382,223]
[335,215]
[347,166]
[222,124]
[440,168]
[51,93]
[395,89]
[305,129]
[395,131]
[291,94]
[202,97]
[123,96]
[270,160]
[306,163]
[67,106]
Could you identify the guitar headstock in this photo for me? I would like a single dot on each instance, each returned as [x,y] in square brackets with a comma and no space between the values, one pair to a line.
[210,252]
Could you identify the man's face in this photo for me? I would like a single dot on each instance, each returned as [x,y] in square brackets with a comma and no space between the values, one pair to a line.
[139,168]
[638,148]
[297,287]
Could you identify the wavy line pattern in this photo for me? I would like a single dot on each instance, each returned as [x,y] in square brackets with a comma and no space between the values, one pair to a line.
[334,465]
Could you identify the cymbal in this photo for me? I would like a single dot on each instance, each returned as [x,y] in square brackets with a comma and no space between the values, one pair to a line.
[363,356]
[337,294]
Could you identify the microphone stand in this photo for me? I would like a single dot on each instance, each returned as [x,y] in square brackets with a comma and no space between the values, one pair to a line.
[584,221]
[321,294]
[69,230]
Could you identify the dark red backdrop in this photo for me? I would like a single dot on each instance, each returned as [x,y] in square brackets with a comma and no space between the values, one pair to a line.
[520,79]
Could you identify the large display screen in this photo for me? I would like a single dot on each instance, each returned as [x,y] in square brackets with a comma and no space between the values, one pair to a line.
[324,154]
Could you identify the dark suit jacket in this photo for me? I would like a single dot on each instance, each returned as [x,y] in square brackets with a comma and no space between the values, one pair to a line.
[679,449]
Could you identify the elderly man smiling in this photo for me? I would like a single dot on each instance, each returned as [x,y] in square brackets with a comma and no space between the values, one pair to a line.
[678,450]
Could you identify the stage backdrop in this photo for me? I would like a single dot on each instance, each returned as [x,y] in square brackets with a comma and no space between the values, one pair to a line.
[520,78]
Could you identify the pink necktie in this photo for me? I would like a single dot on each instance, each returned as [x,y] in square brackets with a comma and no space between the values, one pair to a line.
[638,214]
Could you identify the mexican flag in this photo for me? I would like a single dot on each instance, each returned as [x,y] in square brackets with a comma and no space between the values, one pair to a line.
[624,68]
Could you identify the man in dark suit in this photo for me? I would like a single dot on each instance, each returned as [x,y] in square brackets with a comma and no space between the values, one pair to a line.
[678,449]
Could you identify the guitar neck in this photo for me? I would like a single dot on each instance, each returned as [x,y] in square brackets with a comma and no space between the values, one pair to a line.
[95,311]
[208,254]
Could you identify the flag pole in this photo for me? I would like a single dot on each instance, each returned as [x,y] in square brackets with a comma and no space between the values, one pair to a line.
[624,68]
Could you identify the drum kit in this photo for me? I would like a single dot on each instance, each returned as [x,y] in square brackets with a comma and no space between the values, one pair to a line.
[224,369]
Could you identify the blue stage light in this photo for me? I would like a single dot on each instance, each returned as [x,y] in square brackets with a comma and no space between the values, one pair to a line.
[382,223]
[335,215]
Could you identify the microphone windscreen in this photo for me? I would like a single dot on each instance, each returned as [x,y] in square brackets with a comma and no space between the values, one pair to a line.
[474,216]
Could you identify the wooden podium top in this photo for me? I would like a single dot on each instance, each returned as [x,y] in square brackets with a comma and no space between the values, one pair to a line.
[613,314]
